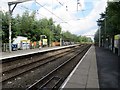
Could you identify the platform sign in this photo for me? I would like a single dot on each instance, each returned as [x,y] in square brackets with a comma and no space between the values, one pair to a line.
[44,41]
[25,44]
[116,40]
[28,44]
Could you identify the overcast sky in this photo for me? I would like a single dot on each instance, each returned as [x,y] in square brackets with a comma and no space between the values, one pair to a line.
[79,20]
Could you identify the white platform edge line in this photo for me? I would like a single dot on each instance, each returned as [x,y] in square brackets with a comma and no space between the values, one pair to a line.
[68,78]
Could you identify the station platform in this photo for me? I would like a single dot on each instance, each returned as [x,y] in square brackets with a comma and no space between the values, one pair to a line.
[108,69]
[84,74]
[5,55]
[99,69]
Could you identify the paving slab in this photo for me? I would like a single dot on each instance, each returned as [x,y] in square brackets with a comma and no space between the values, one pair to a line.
[74,85]
[108,68]
[85,73]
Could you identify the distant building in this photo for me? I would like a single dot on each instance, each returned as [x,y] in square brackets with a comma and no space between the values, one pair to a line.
[22,42]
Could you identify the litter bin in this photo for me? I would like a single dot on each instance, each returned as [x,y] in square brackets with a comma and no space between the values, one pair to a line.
[14,47]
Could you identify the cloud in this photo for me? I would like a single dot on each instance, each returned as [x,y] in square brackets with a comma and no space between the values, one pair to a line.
[90,25]
[62,14]
[86,24]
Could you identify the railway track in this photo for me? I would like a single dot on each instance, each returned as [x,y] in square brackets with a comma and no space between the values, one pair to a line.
[52,79]
[26,60]
[25,67]
[11,74]
[19,68]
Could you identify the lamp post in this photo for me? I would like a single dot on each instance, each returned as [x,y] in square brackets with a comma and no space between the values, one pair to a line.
[61,38]
[10,14]
[104,17]
[106,42]
[61,35]
[99,37]
[99,24]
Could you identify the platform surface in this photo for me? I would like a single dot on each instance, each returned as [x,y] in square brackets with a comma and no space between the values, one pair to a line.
[84,74]
[108,68]
[30,51]
[99,69]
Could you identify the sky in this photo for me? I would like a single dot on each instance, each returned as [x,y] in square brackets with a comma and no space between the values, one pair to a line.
[79,19]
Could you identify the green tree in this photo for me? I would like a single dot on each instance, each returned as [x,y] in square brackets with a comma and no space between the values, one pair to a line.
[5,26]
[110,22]
[28,26]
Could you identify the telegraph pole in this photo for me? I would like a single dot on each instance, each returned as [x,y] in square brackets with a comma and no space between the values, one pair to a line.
[10,14]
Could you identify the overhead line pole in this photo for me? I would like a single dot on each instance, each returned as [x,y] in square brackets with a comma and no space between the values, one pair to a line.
[10,28]
[10,14]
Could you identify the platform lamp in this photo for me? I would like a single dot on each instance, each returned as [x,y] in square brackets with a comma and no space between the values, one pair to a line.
[61,33]
[99,24]
[10,14]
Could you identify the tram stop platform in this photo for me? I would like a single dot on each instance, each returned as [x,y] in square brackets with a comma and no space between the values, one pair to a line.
[98,69]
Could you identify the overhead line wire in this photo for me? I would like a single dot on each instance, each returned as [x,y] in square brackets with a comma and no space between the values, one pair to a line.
[32,10]
[51,12]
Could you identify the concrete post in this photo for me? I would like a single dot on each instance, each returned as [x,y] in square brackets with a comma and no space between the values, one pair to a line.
[9,28]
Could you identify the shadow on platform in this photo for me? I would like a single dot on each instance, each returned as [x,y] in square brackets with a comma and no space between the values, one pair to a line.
[108,69]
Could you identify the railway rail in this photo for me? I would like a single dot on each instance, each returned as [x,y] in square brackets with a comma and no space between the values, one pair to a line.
[51,80]
[47,78]
[16,70]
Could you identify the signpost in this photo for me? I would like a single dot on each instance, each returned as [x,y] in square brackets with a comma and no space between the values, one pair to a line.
[117,44]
